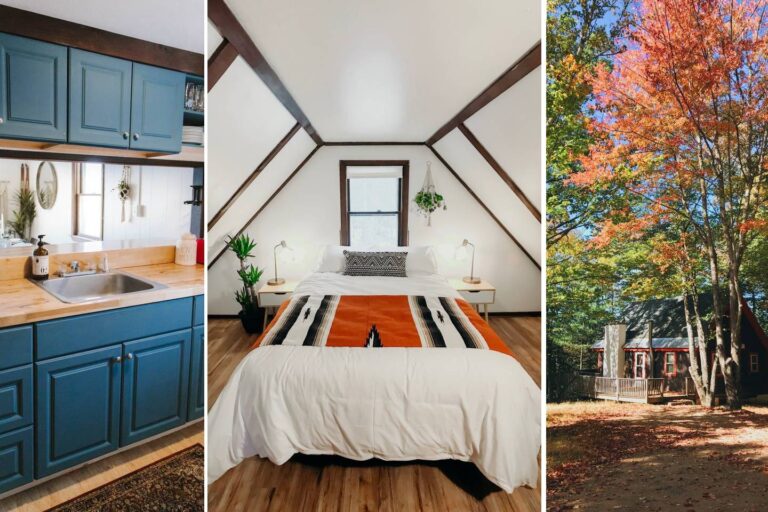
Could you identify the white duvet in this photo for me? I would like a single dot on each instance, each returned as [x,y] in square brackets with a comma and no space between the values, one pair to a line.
[392,404]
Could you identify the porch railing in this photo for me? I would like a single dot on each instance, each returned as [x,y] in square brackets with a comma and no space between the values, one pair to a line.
[640,390]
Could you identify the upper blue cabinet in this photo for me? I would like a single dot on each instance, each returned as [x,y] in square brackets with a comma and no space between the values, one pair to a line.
[99,99]
[33,89]
[157,109]
[118,103]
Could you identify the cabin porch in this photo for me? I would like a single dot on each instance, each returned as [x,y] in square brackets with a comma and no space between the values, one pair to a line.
[649,391]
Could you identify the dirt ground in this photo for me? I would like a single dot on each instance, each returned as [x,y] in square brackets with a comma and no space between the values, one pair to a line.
[607,456]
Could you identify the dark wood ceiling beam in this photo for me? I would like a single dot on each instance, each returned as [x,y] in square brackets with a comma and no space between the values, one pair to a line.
[269,200]
[219,62]
[530,61]
[481,203]
[245,184]
[373,143]
[231,30]
[500,171]
[66,33]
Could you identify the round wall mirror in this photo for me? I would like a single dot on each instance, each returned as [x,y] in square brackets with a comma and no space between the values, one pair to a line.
[47,185]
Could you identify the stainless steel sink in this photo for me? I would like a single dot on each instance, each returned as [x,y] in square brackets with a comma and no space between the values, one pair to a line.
[96,286]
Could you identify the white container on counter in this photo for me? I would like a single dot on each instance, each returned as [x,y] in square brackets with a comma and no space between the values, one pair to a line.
[186,250]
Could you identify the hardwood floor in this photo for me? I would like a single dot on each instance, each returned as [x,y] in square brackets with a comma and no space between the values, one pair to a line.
[324,483]
[78,482]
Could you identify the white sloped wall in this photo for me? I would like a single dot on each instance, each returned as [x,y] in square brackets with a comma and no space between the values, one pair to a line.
[306,215]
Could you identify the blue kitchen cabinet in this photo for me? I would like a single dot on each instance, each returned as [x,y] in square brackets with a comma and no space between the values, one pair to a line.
[16,458]
[155,385]
[33,89]
[197,375]
[78,408]
[16,398]
[99,99]
[157,109]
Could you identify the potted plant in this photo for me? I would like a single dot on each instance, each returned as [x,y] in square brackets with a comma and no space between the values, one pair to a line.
[25,215]
[251,315]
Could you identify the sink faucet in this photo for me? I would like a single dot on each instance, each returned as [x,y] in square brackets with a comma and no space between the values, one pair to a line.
[75,266]
[75,270]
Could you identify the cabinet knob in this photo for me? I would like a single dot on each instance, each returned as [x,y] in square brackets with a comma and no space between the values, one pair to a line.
[129,356]
[135,136]
[117,359]
[125,135]
[2,120]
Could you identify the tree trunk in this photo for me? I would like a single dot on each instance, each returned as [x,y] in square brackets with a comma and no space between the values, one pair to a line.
[698,372]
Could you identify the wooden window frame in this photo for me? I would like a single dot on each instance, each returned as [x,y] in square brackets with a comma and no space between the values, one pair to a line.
[635,365]
[77,168]
[754,363]
[402,216]
[673,373]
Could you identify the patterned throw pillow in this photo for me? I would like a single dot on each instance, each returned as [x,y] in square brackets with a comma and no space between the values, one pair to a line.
[388,264]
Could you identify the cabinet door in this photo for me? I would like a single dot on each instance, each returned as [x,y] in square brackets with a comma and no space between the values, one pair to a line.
[16,398]
[157,109]
[33,89]
[197,375]
[16,458]
[156,385]
[99,99]
[78,408]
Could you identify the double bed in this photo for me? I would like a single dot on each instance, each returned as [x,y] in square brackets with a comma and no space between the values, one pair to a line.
[394,368]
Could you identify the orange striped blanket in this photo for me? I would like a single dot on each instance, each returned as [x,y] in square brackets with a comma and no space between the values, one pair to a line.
[380,321]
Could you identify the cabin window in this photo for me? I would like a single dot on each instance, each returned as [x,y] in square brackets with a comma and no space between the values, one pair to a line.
[374,203]
[639,365]
[754,363]
[89,206]
[670,363]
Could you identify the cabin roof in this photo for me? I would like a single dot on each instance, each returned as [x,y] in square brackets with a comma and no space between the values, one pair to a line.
[640,343]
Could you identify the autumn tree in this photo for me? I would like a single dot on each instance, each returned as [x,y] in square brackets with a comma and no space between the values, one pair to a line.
[681,123]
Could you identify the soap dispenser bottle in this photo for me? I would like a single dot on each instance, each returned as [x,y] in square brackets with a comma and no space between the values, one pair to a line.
[40,261]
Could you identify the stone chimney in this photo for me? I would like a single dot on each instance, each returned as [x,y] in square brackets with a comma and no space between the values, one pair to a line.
[613,355]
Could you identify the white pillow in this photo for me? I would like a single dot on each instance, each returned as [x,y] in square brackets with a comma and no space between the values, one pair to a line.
[419,259]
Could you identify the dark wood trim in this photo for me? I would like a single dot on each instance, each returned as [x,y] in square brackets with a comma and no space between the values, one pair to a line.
[368,143]
[231,30]
[266,203]
[500,170]
[404,195]
[488,210]
[245,184]
[72,157]
[530,61]
[53,30]
[219,62]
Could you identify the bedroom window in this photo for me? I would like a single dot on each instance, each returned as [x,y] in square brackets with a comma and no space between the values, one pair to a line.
[754,363]
[670,363]
[374,203]
[89,206]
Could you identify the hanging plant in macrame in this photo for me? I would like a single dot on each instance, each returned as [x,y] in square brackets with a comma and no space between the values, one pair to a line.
[124,190]
[427,199]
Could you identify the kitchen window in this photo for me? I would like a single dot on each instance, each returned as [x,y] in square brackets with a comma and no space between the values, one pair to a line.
[89,206]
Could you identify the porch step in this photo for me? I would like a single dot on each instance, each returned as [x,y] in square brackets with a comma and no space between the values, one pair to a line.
[681,401]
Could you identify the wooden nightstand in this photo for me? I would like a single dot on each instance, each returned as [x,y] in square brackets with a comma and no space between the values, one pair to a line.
[271,296]
[482,293]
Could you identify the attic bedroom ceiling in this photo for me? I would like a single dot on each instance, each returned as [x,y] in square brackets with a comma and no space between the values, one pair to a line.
[378,70]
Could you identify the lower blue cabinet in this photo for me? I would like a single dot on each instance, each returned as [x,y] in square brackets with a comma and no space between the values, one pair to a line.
[78,408]
[155,385]
[16,457]
[197,375]
[16,398]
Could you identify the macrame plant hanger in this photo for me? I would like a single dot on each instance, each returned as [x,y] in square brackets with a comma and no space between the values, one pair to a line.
[124,190]
[429,188]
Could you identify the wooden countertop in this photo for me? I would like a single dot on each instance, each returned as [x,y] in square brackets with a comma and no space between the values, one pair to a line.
[22,302]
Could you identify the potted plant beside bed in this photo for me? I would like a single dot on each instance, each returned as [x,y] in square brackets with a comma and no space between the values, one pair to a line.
[251,315]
